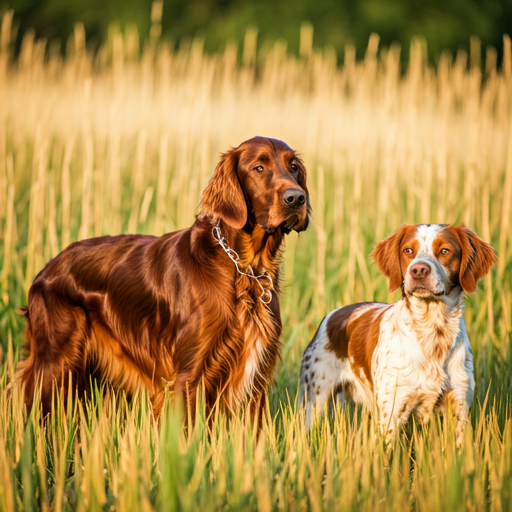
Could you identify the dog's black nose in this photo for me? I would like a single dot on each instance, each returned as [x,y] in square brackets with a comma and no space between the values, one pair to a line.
[294,197]
[420,270]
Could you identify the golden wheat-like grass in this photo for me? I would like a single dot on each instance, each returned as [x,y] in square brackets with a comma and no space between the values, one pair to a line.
[124,140]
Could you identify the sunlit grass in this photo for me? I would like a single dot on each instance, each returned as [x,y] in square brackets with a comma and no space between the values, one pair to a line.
[125,140]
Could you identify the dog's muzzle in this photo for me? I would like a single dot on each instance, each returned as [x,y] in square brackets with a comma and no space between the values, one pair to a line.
[425,278]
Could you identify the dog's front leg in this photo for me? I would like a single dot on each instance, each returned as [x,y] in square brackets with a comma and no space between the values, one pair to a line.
[394,406]
[462,386]
[462,418]
[257,409]
[457,401]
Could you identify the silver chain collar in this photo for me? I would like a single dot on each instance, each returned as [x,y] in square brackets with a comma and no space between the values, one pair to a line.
[266,293]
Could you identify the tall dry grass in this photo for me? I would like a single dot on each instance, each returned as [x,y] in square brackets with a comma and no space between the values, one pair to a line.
[124,140]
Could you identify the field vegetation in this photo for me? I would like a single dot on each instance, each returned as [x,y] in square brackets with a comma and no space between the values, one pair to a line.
[124,140]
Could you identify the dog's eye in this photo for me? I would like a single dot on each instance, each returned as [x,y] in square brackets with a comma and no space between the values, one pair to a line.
[259,168]
[408,250]
[294,168]
[444,250]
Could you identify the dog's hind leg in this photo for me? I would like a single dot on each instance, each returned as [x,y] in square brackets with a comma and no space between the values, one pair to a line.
[56,341]
[321,375]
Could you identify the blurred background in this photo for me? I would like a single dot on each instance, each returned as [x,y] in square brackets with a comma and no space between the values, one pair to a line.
[446,25]
[113,115]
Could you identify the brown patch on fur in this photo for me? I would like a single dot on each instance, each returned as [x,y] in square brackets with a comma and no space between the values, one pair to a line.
[356,338]
[337,329]
[143,311]
[390,258]
[477,256]
[451,261]
[363,338]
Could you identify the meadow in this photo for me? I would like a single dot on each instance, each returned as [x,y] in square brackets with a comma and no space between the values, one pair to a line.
[123,140]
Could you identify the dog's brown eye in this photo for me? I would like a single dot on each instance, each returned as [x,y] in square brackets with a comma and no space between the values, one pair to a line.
[444,250]
[259,168]
[294,167]
[408,251]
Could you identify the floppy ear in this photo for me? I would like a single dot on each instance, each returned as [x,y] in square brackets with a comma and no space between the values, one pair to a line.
[477,258]
[223,197]
[387,256]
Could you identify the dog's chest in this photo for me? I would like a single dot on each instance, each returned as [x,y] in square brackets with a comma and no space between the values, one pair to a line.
[260,336]
[254,353]
[403,365]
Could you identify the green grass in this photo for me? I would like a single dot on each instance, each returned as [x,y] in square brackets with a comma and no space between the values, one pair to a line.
[124,142]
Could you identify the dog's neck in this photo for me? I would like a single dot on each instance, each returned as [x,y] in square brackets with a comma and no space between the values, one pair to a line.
[436,321]
[255,246]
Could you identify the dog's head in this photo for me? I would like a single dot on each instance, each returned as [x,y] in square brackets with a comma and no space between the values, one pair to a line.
[431,260]
[261,181]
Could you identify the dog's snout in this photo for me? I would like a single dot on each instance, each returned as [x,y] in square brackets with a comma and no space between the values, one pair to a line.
[294,197]
[420,270]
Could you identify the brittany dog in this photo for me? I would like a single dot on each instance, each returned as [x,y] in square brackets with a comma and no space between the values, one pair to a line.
[409,357]
[197,308]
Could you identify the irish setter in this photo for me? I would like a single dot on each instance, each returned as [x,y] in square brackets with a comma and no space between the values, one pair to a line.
[193,308]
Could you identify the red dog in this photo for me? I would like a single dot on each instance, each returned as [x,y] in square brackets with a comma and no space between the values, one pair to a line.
[197,307]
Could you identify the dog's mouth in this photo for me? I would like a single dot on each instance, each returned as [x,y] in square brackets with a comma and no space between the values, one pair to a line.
[424,293]
[292,222]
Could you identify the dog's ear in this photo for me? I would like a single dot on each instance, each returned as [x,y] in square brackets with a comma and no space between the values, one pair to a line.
[477,257]
[387,257]
[223,197]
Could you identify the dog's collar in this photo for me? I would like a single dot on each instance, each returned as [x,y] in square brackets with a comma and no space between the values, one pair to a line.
[264,280]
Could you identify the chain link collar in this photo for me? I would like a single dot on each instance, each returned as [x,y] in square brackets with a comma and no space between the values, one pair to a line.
[266,287]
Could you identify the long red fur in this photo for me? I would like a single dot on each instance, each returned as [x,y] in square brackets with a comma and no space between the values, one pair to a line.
[172,311]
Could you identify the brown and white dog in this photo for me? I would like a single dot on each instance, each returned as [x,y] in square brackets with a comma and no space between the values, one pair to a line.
[404,358]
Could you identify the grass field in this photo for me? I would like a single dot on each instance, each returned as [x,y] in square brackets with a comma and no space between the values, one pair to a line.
[125,140]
